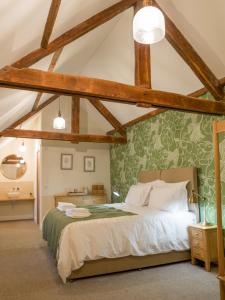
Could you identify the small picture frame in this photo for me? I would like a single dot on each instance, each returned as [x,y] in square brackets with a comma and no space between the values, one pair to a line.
[89,164]
[66,161]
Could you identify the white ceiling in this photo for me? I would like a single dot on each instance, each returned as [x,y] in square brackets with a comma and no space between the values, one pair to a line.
[107,52]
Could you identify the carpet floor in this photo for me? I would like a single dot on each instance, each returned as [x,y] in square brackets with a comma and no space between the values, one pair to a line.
[27,272]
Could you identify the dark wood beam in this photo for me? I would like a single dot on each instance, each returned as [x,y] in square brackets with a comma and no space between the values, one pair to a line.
[75,115]
[37,80]
[37,100]
[140,119]
[32,113]
[107,115]
[142,65]
[222,82]
[191,57]
[45,135]
[74,33]
[50,69]
[142,55]
[204,90]
[197,93]
[53,11]
[55,59]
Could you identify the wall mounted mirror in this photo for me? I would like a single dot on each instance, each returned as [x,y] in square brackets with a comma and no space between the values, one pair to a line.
[13,167]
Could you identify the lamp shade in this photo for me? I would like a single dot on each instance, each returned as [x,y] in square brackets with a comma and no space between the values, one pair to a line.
[59,123]
[116,194]
[148,25]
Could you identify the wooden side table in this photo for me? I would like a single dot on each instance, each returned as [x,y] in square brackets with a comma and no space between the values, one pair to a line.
[82,200]
[203,241]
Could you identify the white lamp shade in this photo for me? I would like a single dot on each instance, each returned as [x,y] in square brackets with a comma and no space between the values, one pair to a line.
[148,25]
[116,194]
[59,123]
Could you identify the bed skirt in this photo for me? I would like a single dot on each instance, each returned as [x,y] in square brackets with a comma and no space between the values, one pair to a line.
[112,265]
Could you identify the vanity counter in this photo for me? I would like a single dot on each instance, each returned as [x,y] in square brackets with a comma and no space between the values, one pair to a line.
[21,208]
[21,198]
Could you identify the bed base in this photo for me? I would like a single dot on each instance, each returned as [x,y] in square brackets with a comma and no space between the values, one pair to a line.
[113,265]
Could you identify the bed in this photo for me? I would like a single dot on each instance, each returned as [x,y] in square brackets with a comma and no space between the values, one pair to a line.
[102,246]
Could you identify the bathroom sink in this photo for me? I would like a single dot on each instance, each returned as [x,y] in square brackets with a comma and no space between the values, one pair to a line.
[13,195]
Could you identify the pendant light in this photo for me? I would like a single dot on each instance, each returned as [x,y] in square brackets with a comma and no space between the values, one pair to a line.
[59,122]
[148,25]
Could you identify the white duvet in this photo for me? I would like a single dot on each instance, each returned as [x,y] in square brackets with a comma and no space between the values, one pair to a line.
[148,232]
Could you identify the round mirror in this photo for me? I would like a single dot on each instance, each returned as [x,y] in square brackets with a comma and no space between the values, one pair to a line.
[13,166]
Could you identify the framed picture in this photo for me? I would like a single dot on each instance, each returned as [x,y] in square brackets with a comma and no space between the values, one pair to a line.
[66,161]
[89,164]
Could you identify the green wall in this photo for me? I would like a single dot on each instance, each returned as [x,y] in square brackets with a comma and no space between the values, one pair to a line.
[171,139]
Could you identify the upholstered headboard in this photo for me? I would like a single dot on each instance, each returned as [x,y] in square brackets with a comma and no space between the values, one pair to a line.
[174,175]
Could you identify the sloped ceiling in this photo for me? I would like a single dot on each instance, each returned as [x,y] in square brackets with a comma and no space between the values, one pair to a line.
[107,52]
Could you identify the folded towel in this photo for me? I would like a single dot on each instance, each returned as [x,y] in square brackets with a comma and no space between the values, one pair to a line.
[63,206]
[77,212]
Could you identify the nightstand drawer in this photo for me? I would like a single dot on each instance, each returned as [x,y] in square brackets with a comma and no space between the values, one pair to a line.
[203,244]
[197,234]
[197,242]
[198,252]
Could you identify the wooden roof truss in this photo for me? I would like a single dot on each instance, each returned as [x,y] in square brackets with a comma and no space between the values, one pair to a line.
[18,76]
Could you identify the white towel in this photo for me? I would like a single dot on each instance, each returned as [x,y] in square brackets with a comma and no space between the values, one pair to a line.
[77,212]
[63,206]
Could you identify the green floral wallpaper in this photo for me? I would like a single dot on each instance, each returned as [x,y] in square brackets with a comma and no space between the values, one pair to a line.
[171,139]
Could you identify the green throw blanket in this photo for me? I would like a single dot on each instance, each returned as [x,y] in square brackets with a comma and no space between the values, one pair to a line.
[56,220]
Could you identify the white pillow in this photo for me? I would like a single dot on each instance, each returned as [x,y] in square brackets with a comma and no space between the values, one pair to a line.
[173,184]
[151,185]
[170,197]
[138,195]
[154,183]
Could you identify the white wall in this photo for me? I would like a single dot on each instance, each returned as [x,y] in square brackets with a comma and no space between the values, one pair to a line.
[53,179]
[56,181]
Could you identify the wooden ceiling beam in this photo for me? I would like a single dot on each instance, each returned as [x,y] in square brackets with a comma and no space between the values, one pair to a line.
[222,81]
[53,11]
[144,117]
[202,91]
[32,113]
[142,55]
[191,57]
[51,67]
[74,33]
[75,115]
[37,101]
[45,135]
[55,59]
[100,107]
[197,93]
[37,80]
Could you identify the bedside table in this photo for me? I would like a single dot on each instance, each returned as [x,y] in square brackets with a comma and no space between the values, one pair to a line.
[203,242]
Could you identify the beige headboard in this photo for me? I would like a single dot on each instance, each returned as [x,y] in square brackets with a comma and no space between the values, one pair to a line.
[174,175]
